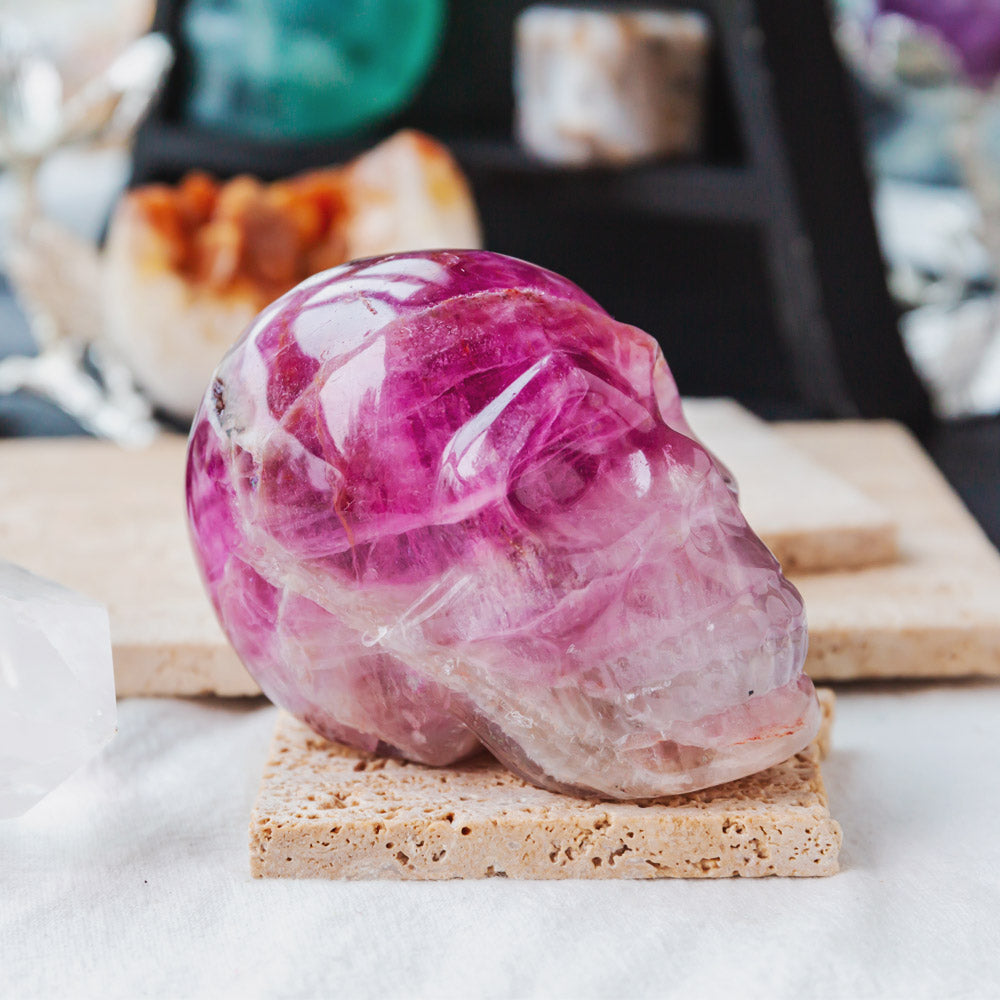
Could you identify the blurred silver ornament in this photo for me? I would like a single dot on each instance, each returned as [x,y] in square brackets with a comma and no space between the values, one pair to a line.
[45,106]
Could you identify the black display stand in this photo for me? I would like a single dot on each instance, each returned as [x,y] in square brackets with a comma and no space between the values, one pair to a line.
[757,268]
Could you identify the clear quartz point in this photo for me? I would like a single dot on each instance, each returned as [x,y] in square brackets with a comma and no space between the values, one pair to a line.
[57,693]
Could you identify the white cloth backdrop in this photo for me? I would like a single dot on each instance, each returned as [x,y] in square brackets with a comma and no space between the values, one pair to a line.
[132,880]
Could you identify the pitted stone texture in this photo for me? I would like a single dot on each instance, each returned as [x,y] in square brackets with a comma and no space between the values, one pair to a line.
[325,811]
[57,696]
[443,498]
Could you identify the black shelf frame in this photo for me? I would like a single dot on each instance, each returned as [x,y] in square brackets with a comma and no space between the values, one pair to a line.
[771,285]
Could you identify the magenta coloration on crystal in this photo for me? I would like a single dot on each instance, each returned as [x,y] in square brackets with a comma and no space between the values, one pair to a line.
[443,499]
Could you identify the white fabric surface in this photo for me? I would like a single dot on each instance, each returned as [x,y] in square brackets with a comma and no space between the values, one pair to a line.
[132,880]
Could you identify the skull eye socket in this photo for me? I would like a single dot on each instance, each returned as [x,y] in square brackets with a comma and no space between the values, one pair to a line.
[553,483]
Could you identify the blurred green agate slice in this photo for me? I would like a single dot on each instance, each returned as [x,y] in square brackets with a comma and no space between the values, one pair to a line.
[306,69]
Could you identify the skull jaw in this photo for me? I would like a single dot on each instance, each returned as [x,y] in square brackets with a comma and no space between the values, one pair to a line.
[664,767]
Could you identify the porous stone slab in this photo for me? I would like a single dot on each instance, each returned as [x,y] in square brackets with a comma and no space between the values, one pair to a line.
[811,518]
[110,524]
[935,612]
[326,811]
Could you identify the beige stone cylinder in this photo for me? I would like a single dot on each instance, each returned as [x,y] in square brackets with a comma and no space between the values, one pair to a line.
[602,86]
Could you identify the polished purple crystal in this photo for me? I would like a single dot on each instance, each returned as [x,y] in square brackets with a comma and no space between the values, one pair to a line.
[443,499]
[970,27]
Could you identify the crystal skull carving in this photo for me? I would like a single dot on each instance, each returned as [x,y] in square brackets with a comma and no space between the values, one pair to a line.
[443,499]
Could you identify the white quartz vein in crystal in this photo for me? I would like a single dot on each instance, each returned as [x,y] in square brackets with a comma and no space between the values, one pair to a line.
[57,693]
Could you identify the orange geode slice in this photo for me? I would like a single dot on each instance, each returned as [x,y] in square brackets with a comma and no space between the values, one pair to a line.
[188,267]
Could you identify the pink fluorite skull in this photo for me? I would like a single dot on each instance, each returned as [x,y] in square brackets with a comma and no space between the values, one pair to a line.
[442,499]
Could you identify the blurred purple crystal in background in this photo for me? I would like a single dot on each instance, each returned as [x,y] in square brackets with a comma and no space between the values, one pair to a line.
[970,27]
[443,499]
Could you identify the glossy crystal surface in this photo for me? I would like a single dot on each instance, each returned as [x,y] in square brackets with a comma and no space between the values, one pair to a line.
[442,499]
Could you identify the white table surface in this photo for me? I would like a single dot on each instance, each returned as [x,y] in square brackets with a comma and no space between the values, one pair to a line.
[132,880]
